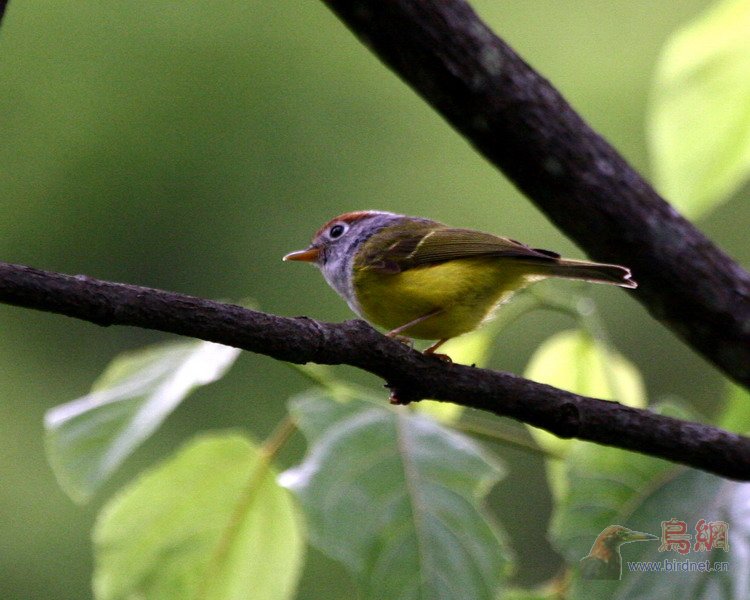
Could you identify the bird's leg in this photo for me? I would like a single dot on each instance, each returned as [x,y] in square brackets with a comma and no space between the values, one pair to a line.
[395,333]
[435,346]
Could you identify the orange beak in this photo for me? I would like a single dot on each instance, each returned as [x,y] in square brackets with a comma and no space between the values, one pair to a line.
[308,255]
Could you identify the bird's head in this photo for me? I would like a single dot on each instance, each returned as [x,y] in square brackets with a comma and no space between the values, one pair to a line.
[614,536]
[342,234]
[336,244]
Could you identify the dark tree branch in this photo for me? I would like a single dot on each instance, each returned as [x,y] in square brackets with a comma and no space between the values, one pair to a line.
[355,343]
[521,124]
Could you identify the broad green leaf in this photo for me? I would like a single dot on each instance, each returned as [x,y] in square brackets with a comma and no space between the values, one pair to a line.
[736,414]
[87,439]
[323,376]
[397,498]
[689,496]
[210,523]
[700,116]
[572,360]
[470,349]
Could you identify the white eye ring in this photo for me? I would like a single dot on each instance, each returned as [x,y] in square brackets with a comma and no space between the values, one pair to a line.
[337,230]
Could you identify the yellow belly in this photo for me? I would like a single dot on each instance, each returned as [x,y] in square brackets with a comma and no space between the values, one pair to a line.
[465,291]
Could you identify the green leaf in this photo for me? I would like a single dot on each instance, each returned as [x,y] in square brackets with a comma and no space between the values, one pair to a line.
[89,438]
[397,498]
[323,376]
[211,523]
[573,360]
[736,414]
[700,119]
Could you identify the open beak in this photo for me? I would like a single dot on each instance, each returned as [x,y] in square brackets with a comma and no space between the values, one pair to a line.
[310,254]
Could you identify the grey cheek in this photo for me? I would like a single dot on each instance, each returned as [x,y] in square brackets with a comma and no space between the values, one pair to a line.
[338,273]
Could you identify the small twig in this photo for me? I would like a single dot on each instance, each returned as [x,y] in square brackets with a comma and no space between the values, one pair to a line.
[278,437]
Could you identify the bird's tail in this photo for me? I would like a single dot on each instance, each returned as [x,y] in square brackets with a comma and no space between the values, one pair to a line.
[587,271]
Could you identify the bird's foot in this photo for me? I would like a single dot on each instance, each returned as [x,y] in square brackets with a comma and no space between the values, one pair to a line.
[431,351]
[444,357]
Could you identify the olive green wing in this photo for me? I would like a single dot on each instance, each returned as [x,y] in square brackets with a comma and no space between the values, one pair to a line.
[400,248]
[449,244]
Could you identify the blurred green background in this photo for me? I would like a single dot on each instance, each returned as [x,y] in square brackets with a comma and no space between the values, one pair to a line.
[189,145]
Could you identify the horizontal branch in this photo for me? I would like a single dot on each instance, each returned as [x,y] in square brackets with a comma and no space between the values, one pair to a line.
[522,125]
[414,375]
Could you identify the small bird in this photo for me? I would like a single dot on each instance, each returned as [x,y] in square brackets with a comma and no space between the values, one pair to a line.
[422,279]
[604,561]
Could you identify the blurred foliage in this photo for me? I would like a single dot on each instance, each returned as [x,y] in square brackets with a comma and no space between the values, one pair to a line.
[700,124]
[89,438]
[576,361]
[736,414]
[210,523]
[189,145]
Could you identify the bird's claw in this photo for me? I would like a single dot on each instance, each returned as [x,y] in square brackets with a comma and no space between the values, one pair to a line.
[443,357]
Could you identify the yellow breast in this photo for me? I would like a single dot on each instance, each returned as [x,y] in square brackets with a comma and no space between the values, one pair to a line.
[465,291]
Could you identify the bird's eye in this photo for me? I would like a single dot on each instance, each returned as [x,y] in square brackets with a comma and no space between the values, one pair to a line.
[336,231]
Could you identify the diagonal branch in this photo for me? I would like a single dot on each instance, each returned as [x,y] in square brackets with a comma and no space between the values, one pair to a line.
[521,124]
[355,343]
